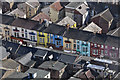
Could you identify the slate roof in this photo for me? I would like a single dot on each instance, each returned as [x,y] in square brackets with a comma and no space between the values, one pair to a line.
[56,55]
[66,20]
[56,6]
[106,14]
[114,32]
[17,12]
[11,47]
[91,37]
[92,27]
[25,23]
[98,38]
[40,73]
[74,5]
[113,41]
[9,64]
[21,51]
[22,7]
[67,58]
[82,9]
[54,65]
[117,77]
[78,34]
[6,19]
[41,27]
[25,59]
[55,29]
[40,53]
[16,75]
[3,53]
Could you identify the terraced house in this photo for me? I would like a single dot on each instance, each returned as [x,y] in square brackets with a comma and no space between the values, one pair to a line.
[56,33]
[42,38]
[76,41]
[23,30]
[5,27]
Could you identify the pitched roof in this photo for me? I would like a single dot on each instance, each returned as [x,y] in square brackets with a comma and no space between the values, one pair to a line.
[2,72]
[6,19]
[66,20]
[22,7]
[67,58]
[8,64]
[40,53]
[106,14]
[92,27]
[55,29]
[16,75]
[73,5]
[25,59]
[56,6]
[112,41]
[55,55]
[40,73]
[54,65]
[117,76]
[25,23]
[98,39]
[78,34]
[114,32]
[81,7]
[21,51]
[17,12]
[3,53]
[41,16]
[34,4]
[91,74]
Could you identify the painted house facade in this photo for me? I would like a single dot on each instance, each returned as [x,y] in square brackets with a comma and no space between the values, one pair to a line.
[5,27]
[56,36]
[23,30]
[43,39]
[56,42]
[69,45]
[83,48]
[27,37]
[78,11]
[96,50]
[76,43]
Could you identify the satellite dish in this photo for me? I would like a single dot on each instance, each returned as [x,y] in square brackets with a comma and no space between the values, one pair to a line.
[51,47]
[51,57]
[35,75]
[30,45]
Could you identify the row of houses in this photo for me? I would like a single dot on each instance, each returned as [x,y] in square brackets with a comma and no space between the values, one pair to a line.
[22,62]
[42,33]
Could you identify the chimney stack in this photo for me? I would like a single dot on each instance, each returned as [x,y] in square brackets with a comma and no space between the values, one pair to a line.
[68,26]
[41,21]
